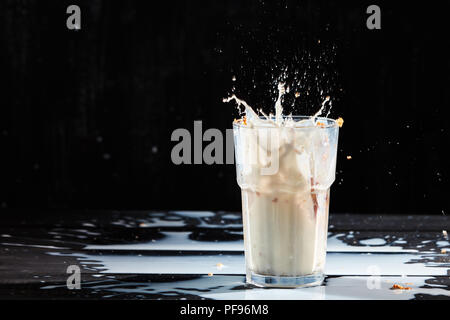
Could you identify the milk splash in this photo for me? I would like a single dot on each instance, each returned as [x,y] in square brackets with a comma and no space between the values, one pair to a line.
[253,119]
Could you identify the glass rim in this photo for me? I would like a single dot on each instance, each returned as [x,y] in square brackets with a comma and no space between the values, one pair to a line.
[326,124]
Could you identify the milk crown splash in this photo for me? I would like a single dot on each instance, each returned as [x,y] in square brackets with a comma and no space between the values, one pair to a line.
[253,119]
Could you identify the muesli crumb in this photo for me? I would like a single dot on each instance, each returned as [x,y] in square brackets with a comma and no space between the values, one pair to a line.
[399,287]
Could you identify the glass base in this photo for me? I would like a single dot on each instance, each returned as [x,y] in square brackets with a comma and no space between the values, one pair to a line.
[285,281]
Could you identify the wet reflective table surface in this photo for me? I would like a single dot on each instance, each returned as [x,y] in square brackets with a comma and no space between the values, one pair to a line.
[199,255]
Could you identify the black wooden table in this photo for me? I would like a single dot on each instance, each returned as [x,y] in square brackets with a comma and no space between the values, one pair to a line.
[199,255]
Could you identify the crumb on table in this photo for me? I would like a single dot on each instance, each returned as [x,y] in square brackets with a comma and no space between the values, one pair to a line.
[399,287]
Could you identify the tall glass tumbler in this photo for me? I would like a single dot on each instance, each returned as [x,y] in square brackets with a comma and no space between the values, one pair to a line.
[285,174]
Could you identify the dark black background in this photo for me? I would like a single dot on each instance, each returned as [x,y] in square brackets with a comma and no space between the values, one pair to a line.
[86,116]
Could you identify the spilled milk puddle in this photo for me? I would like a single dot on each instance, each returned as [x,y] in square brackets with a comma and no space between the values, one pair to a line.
[169,255]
